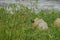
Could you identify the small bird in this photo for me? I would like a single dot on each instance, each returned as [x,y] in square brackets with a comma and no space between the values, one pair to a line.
[57,22]
[40,23]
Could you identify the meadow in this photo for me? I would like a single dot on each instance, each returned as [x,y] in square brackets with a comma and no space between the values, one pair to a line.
[18,26]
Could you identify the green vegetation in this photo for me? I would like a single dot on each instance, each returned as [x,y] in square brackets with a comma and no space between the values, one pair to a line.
[18,26]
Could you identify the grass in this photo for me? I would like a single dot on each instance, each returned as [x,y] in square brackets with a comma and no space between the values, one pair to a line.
[18,26]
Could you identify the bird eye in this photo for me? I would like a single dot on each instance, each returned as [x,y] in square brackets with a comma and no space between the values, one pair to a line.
[32,21]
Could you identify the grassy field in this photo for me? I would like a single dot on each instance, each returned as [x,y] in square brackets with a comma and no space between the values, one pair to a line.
[18,26]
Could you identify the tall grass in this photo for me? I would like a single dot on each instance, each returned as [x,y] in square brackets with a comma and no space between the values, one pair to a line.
[18,26]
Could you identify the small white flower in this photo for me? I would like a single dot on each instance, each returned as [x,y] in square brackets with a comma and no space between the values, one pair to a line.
[11,12]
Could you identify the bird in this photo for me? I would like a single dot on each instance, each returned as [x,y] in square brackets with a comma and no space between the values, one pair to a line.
[57,22]
[40,23]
